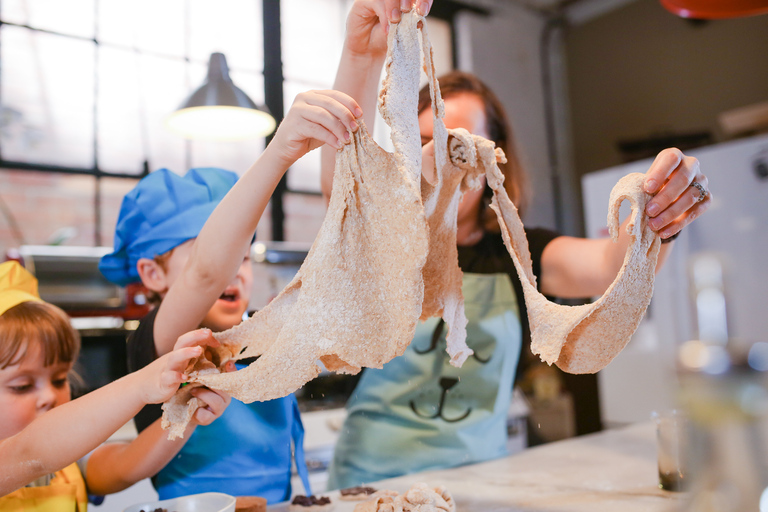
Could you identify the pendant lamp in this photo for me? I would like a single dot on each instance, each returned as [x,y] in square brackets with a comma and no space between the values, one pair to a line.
[715,9]
[219,110]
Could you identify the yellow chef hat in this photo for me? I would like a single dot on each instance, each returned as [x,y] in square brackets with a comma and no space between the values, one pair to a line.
[17,285]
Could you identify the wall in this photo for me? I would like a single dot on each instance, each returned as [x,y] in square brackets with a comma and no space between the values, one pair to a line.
[42,203]
[639,70]
[503,49]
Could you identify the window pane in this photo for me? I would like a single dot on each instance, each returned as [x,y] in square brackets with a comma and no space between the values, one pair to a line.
[121,113]
[150,25]
[164,86]
[136,94]
[47,84]
[232,156]
[312,37]
[47,95]
[73,17]
[304,175]
[233,28]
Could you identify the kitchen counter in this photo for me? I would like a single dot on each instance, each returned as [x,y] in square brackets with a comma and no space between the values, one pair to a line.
[614,470]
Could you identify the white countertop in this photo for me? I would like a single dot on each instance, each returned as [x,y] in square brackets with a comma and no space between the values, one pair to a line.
[611,471]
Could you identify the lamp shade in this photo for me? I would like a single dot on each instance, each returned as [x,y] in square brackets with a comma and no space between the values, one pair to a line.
[219,110]
[715,9]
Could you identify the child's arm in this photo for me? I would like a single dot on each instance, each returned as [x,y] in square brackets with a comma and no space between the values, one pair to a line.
[315,118]
[68,432]
[116,466]
[362,58]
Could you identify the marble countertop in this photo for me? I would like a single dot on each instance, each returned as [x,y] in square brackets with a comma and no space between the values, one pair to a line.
[614,470]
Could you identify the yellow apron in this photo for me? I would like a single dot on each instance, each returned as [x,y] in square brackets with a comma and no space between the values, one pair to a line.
[65,493]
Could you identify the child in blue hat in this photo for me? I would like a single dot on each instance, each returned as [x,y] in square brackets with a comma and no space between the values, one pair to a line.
[187,239]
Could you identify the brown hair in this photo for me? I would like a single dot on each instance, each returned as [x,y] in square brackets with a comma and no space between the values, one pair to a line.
[39,322]
[499,130]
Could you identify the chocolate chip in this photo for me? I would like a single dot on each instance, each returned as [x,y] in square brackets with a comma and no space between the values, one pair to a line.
[308,501]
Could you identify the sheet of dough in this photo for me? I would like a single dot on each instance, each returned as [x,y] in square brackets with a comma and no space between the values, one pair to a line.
[360,288]
[442,276]
[356,299]
[419,498]
[582,339]
[386,256]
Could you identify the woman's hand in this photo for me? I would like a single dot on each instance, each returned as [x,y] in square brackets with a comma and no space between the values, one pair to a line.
[677,200]
[315,118]
[368,23]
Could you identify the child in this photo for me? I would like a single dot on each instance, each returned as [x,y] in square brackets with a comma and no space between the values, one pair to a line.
[206,281]
[42,432]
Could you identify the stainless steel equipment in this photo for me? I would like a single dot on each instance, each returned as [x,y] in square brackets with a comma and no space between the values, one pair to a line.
[69,277]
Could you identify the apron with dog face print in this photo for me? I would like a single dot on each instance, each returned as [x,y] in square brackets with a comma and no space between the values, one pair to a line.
[418,412]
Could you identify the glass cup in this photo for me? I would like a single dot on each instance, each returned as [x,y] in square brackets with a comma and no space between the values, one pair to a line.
[671,440]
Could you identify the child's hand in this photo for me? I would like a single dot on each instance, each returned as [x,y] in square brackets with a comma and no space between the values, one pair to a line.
[315,118]
[203,337]
[368,23]
[215,403]
[161,378]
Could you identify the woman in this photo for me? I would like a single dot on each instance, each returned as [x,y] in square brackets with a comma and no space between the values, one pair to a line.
[418,412]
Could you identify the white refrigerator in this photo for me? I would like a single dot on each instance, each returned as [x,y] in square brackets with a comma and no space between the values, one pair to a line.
[735,231]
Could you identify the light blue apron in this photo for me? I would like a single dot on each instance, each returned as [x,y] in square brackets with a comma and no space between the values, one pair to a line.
[419,412]
[244,452]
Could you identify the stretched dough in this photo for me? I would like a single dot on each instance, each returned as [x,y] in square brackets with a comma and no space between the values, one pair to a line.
[386,257]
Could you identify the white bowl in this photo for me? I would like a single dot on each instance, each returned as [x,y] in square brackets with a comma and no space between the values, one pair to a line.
[205,502]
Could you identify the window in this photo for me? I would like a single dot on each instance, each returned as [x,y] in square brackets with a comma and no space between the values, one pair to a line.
[311,52]
[86,84]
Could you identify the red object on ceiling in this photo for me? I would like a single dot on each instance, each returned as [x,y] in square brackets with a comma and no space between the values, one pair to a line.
[715,9]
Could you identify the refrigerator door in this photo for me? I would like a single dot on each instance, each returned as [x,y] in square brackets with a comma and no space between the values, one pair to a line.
[735,231]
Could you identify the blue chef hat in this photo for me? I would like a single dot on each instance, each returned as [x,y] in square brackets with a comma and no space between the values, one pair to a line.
[163,211]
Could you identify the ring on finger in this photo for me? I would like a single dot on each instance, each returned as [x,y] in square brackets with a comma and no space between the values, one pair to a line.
[702,191]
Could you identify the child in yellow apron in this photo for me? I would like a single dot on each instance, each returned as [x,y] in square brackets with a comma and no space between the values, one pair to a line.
[42,431]
[65,492]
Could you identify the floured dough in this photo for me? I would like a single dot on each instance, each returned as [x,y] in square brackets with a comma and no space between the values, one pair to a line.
[357,298]
[581,339]
[419,498]
[386,256]
[442,275]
